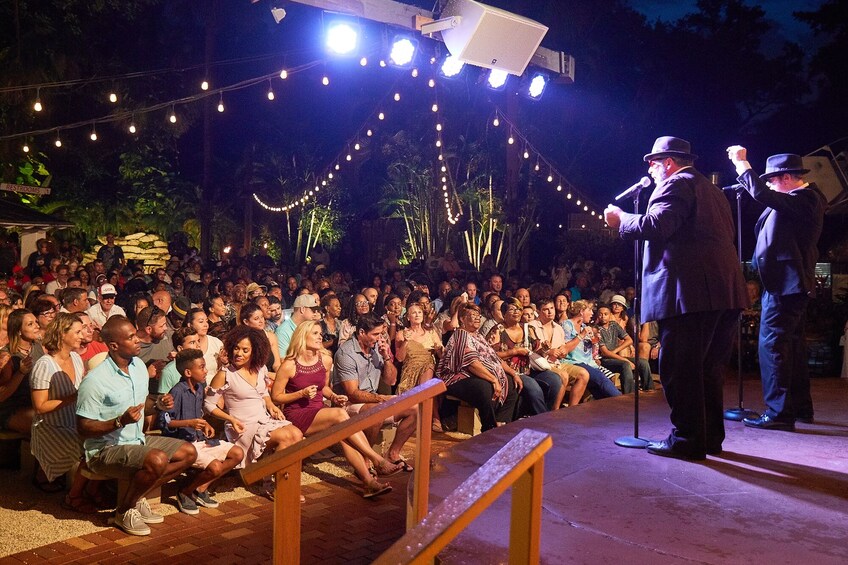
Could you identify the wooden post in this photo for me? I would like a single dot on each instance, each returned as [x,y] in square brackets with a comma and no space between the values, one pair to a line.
[286,529]
[525,527]
[421,475]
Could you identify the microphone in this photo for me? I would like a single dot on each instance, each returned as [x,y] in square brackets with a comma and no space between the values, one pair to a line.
[644,182]
[734,187]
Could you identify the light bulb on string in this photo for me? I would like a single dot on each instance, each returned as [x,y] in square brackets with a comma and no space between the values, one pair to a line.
[382,63]
[550,178]
[578,202]
[438,127]
[270,91]
[511,139]
[113,98]
[585,208]
[204,85]
[173,116]
[132,128]
[348,157]
[568,196]
[356,146]
[441,157]
[397,96]
[284,74]
[330,175]
[381,116]
[526,153]
[221,103]
[369,133]
[58,142]
[414,73]
[25,148]
[435,107]
[363,61]
[438,143]
[496,122]
[536,167]
[37,106]
[325,80]
[444,169]
[93,135]
[338,166]
[559,188]
[431,83]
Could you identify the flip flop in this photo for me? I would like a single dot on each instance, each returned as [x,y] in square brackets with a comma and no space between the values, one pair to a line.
[393,469]
[376,489]
[404,465]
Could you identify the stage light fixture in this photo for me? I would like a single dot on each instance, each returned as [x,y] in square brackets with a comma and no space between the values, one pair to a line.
[403,52]
[533,85]
[451,67]
[342,38]
[497,79]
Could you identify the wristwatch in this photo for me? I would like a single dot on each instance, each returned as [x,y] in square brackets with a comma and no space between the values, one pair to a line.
[118,424]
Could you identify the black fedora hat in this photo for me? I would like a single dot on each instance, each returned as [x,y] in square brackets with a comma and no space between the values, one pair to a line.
[667,146]
[784,163]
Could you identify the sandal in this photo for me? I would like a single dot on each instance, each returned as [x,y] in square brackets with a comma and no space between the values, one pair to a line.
[376,489]
[78,504]
[388,469]
[42,483]
[403,465]
[437,427]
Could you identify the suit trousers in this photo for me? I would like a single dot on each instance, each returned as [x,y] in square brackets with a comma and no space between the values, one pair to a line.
[783,356]
[695,351]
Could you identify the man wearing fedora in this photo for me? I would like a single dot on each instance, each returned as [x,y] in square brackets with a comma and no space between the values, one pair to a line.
[785,256]
[692,286]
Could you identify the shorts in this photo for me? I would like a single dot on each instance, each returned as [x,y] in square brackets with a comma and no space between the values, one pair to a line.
[572,371]
[122,461]
[206,453]
[354,409]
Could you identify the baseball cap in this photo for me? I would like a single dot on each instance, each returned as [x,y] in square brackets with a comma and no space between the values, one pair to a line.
[305,301]
[107,290]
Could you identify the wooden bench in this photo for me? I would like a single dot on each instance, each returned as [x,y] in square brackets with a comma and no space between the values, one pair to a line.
[467,418]
[15,452]
[154,496]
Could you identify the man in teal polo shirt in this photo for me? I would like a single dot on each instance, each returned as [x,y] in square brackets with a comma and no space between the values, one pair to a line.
[110,412]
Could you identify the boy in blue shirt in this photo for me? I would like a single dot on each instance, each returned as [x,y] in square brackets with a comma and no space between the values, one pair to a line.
[185,421]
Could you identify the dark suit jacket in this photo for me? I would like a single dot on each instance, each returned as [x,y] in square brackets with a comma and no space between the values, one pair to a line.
[690,262]
[787,235]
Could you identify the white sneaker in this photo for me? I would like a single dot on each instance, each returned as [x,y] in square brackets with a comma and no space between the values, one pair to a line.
[148,515]
[131,522]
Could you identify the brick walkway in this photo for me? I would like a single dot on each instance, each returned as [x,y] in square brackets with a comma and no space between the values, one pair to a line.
[338,526]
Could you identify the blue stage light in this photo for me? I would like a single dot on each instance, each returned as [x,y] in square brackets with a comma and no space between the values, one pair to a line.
[537,87]
[451,67]
[342,38]
[403,52]
[497,79]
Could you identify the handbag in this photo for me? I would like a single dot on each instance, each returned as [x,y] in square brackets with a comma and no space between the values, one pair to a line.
[537,362]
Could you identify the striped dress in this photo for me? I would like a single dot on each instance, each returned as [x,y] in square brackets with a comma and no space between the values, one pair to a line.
[55,442]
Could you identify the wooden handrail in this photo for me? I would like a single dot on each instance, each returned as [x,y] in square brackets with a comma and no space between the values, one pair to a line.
[286,465]
[520,464]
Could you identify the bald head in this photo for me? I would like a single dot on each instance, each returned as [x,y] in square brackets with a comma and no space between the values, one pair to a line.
[162,299]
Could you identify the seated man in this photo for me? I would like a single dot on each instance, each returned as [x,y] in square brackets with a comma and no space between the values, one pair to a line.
[615,344]
[110,411]
[185,421]
[361,364]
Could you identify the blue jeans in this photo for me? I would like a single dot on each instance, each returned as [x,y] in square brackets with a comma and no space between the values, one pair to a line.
[551,386]
[599,385]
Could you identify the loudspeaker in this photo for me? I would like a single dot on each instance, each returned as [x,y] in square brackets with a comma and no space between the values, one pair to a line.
[490,37]
[823,173]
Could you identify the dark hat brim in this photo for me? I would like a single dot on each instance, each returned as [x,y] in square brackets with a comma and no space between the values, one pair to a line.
[765,176]
[654,156]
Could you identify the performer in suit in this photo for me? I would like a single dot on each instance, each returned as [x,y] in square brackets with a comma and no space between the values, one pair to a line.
[785,256]
[692,286]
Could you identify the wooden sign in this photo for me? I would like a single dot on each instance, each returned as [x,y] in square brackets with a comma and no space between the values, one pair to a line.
[38,190]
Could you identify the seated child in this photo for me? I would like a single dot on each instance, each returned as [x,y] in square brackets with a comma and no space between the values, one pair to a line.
[183,338]
[185,421]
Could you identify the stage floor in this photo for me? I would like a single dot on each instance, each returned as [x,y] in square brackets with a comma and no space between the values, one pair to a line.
[770,497]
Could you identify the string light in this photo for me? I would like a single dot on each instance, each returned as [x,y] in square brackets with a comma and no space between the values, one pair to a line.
[270,90]
[25,148]
[496,122]
[363,62]
[369,133]
[132,124]
[414,73]
[58,142]
[381,116]
[435,107]
[356,146]
[37,106]
[204,85]
[93,135]
[284,74]
[325,81]
[113,98]
[431,83]
[221,103]
[397,96]
[173,116]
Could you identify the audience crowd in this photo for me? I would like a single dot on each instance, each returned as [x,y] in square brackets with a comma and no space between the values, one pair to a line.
[145,376]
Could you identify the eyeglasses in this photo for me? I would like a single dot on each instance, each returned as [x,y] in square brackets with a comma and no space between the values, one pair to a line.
[361,303]
[513,309]
[48,313]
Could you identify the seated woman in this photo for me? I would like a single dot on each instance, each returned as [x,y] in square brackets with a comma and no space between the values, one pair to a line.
[330,324]
[579,345]
[543,390]
[54,381]
[251,316]
[254,423]
[415,348]
[472,372]
[357,306]
[15,402]
[303,382]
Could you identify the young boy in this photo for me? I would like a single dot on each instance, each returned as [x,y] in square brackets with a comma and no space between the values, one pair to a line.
[185,421]
[616,353]
[183,338]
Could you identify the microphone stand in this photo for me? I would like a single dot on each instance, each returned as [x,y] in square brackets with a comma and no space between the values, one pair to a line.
[739,413]
[635,441]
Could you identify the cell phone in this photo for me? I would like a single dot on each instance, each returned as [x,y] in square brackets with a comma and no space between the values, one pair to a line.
[213,442]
